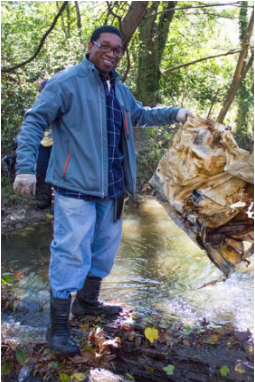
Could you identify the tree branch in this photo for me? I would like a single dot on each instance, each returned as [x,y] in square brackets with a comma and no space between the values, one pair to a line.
[110,10]
[62,20]
[200,6]
[230,97]
[212,103]
[239,71]
[201,59]
[6,70]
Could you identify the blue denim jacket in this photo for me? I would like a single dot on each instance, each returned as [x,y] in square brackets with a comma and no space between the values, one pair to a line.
[73,103]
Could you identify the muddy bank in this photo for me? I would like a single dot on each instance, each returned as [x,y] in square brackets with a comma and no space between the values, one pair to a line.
[19,217]
[132,347]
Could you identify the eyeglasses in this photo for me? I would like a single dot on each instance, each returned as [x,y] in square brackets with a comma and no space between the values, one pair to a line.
[107,49]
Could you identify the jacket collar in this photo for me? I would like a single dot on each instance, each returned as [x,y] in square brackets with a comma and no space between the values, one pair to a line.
[89,67]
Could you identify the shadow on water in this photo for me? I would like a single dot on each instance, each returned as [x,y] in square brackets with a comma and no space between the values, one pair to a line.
[158,271]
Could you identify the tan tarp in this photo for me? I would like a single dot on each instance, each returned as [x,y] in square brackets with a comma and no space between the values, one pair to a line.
[205,183]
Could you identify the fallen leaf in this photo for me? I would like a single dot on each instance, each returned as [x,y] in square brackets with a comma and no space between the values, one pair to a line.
[128,324]
[166,337]
[149,370]
[30,229]
[186,343]
[98,337]
[84,327]
[87,356]
[64,377]
[21,356]
[169,369]
[151,334]
[87,347]
[239,368]
[132,335]
[130,377]
[138,341]
[6,367]
[14,305]
[114,342]
[213,339]
[18,276]
[77,377]
[8,279]
[249,348]
[224,370]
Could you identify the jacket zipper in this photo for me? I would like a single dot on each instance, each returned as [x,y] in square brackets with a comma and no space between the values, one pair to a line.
[127,131]
[126,124]
[102,147]
[66,164]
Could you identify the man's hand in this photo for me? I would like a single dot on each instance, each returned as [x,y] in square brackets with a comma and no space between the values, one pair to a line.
[24,185]
[182,115]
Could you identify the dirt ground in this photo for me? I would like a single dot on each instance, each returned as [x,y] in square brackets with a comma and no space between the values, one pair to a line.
[128,347]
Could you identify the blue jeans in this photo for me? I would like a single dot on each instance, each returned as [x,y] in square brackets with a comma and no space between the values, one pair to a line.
[85,241]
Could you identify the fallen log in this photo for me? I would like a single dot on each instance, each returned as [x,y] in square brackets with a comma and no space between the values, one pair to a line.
[205,183]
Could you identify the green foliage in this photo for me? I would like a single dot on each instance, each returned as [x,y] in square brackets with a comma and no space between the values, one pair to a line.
[192,34]
[157,140]
[169,369]
[6,367]
[224,370]
[21,355]
[9,197]
[64,377]
[8,279]
[23,26]
[245,95]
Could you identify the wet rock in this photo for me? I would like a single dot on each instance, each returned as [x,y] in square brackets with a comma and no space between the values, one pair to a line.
[24,373]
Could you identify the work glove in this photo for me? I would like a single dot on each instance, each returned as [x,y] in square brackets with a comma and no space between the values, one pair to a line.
[182,115]
[24,185]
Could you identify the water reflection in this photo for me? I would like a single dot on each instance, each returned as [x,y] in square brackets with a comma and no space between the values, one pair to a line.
[158,270]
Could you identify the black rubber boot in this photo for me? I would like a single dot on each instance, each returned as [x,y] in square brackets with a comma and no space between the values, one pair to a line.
[86,301]
[58,335]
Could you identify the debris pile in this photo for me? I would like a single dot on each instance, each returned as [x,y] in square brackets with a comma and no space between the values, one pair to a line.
[205,183]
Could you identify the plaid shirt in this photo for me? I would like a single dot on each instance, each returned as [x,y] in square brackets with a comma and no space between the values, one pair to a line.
[115,157]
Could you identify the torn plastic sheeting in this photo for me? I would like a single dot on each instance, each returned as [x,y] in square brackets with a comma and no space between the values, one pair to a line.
[205,183]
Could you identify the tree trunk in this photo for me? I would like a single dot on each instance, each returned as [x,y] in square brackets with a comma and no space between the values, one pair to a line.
[153,37]
[78,14]
[243,94]
[240,70]
[134,16]
[68,20]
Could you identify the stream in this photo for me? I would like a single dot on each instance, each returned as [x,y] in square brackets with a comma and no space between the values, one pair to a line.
[158,271]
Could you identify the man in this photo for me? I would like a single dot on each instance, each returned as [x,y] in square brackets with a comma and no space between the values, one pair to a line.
[92,163]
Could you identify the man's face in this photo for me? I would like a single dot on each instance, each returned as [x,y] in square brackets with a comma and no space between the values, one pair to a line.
[105,62]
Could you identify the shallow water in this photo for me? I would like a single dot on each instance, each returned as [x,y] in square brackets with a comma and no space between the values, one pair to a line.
[158,271]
